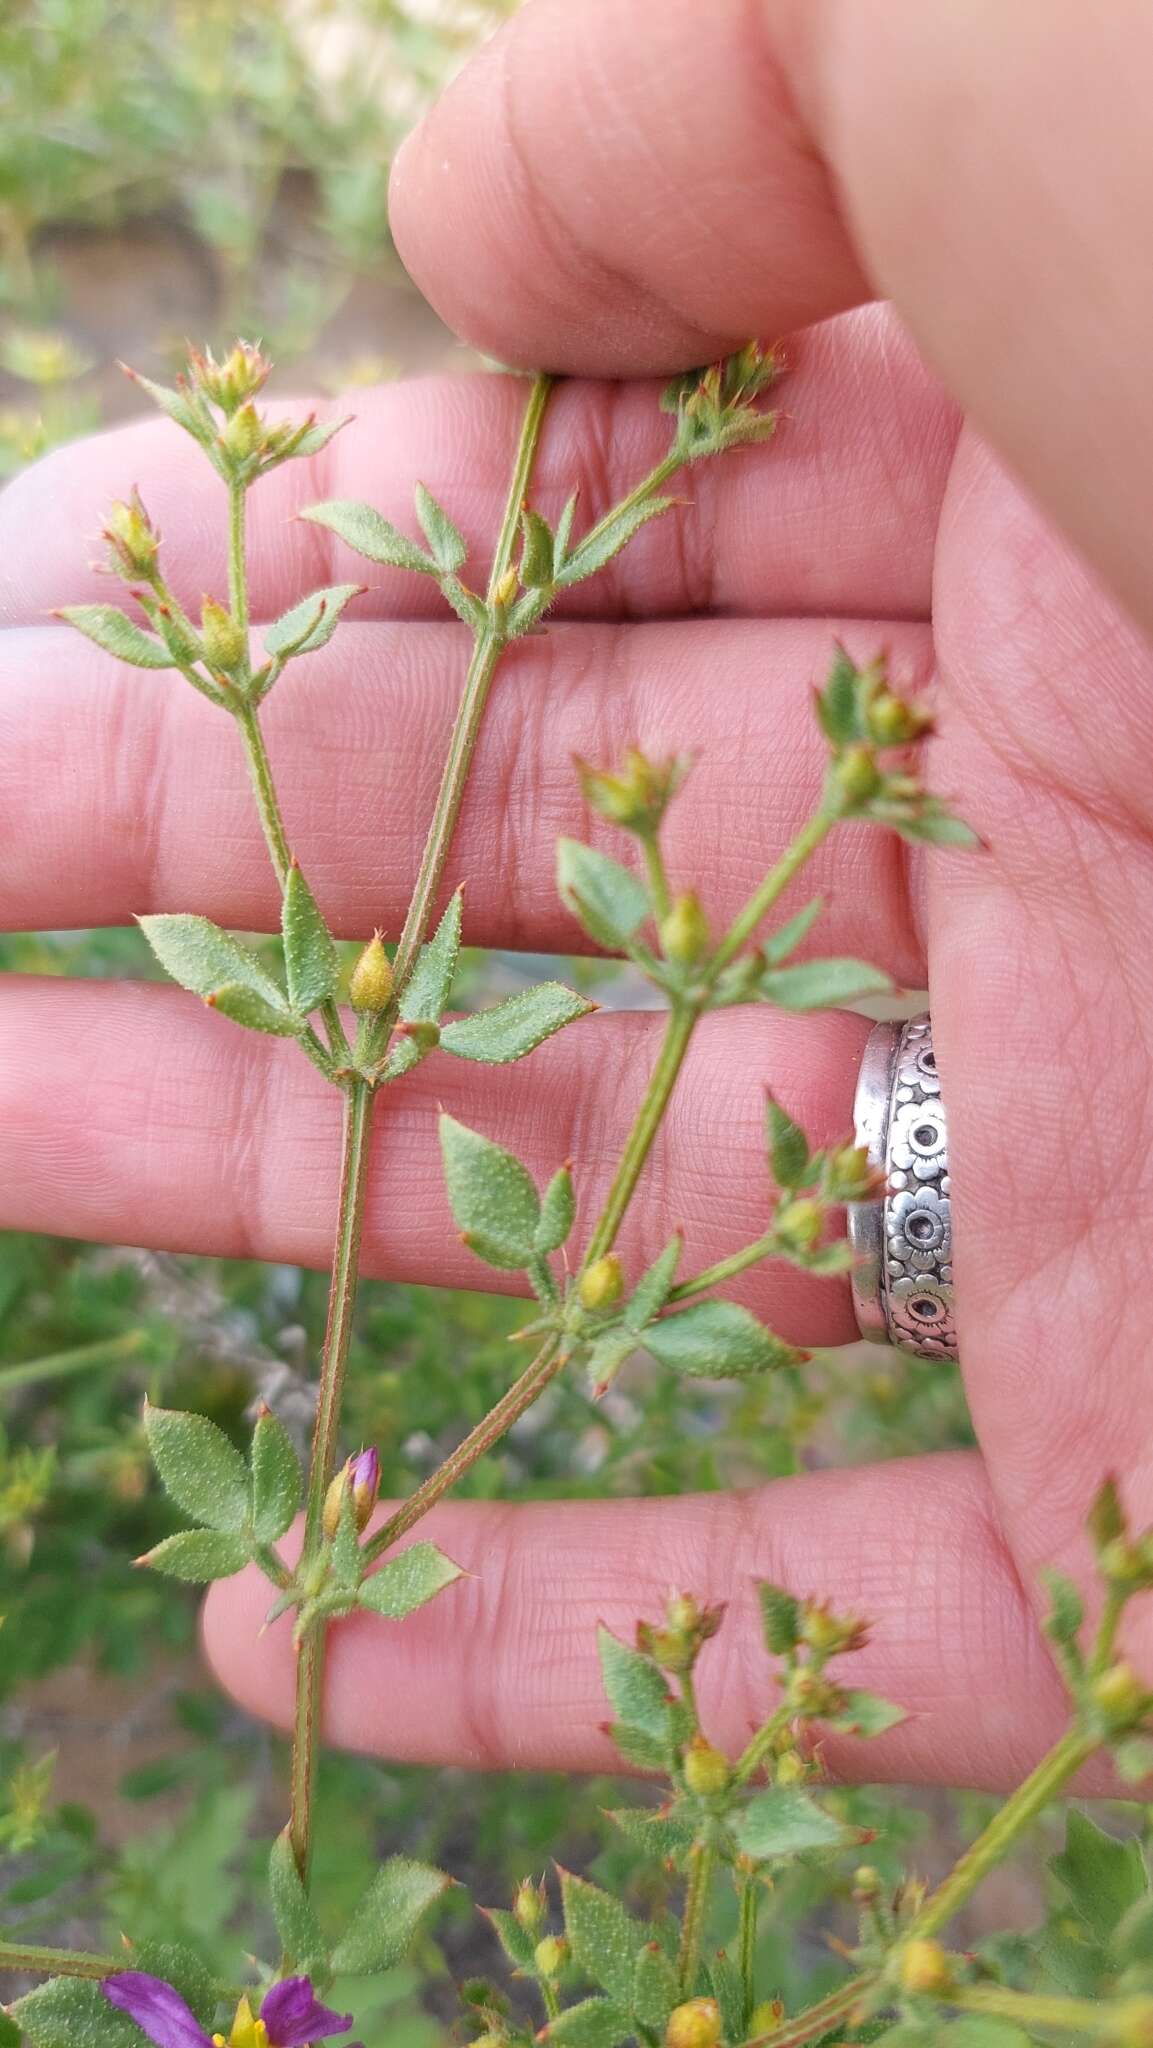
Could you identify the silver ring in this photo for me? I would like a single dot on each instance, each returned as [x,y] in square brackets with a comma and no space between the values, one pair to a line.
[903,1240]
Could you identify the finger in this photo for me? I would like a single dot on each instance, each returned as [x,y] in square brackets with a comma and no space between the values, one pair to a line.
[836,514]
[180,1130]
[501,1670]
[613,187]
[123,792]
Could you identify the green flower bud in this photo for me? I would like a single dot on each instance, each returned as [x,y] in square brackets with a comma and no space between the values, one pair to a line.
[892,722]
[506,589]
[851,1178]
[800,1223]
[638,797]
[550,1955]
[766,2017]
[707,1770]
[603,1283]
[133,542]
[229,383]
[1120,1697]
[924,1969]
[830,1634]
[371,985]
[856,775]
[1122,1563]
[224,643]
[790,1769]
[696,2024]
[867,1885]
[530,1906]
[685,931]
[243,435]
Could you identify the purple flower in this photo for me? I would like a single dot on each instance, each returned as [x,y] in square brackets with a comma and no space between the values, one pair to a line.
[364,1478]
[290,2016]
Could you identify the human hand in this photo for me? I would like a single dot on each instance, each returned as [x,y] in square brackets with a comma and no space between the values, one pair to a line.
[868,512]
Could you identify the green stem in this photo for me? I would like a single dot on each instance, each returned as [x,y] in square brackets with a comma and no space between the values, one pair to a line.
[658,879]
[727,1269]
[835,2010]
[1034,2009]
[237,567]
[85,1358]
[693,1923]
[660,474]
[747,1944]
[681,1024]
[531,424]
[57,1962]
[534,1379]
[774,885]
[761,1746]
[341,1300]
[990,1848]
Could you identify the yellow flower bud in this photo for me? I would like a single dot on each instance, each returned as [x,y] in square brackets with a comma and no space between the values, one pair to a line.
[133,542]
[506,589]
[602,1284]
[550,1955]
[707,1770]
[800,1223]
[1120,1696]
[893,722]
[857,775]
[829,1633]
[791,1769]
[530,1906]
[243,434]
[371,984]
[766,2017]
[224,643]
[696,2024]
[924,1968]
[685,931]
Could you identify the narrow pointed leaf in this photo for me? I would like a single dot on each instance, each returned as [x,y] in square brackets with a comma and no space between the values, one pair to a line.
[311,623]
[114,631]
[516,1941]
[384,1923]
[445,539]
[408,1581]
[557,1214]
[780,1618]
[655,1988]
[788,1145]
[783,1821]
[717,1340]
[427,989]
[362,529]
[637,1692]
[605,1940]
[820,984]
[198,1467]
[178,405]
[276,1478]
[494,1201]
[199,1555]
[865,1714]
[661,1835]
[596,550]
[536,562]
[563,531]
[244,1007]
[311,962]
[781,943]
[317,437]
[638,1748]
[653,1288]
[305,1948]
[607,898]
[1102,1874]
[201,957]
[515,1027]
[935,828]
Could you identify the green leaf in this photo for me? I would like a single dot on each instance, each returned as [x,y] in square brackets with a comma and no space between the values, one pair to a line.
[1132,1938]
[362,529]
[199,1468]
[515,1027]
[304,1945]
[317,437]
[597,549]
[820,984]
[311,623]
[563,532]
[199,1555]
[201,957]
[606,1355]
[637,1692]
[345,1561]
[865,1714]
[727,1986]
[243,1006]
[9,2033]
[654,1287]
[516,1941]
[976,2030]
[537,552]
[604,1938]
[72,2012]
[780,944]
[465,603]
[493,1199]
[1102,1875]
[427,989]
[181,1967]
[780,1618]
[383,1925]
[788,1145]
[638,1748]
[783,1821]
[445,540]
[1066,1614]
[655,1988]
[311,961]
[408,1581]
[557,1213]
[607,899]
[717,1340]
[838,704]
[115,633]
[663,1835]
[594,2023]
[178,405]
[934,828]
[276,1478]
[1106,1519]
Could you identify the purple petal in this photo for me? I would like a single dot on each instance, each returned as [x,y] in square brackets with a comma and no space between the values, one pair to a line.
[293,2017]
[158,2010]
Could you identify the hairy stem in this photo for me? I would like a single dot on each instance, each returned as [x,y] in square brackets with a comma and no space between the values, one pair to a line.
[834,2011]
[58,1962]
[341,1300]
[1038,2009]
[774,885]
[237,567]
[693,1920]
[727,1269]
[760,1748]
[682,1021]
[61,1364]
[750,1897]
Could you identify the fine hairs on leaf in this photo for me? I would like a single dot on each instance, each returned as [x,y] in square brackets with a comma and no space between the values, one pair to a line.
[731,1832]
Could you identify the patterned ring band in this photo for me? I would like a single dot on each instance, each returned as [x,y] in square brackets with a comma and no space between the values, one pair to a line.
[903,1280]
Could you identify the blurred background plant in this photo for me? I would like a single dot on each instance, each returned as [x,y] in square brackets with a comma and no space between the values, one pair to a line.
[128,1791]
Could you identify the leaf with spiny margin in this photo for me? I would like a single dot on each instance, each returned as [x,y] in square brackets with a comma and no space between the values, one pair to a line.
[557,1213]
[781,943]
[384,1923]
[304,1945]
[788,1145]
[199,1468]
[311,961]
[445,539]
[427,989]
[311,623]
[363,530]
[607,898]
[594,2023]
[637,1692]
[1103,1875]
[276,1478]
[408,1581]
[114,631]
[655,1988]
[605,1940]
[717,1340]
[243,1006]
[201,957]
[199,1556]
[784,1821]
[598,548]
[516,1941]
[821,984]
[780,1618]
[494,1201]
[865,1714]
[515,1027]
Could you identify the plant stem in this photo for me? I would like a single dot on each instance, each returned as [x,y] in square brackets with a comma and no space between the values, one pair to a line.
[658,879]
[990,1848]
[341,1299]
[727,1269]
[237,566]
[693,1922]
[682,1022]
[747,1944]
[85,1358]
[57,1962]
[549,1360]
[1034,2009]
[488,647]
[761,1745]
[775,883]
[837,2009]
[658,475]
